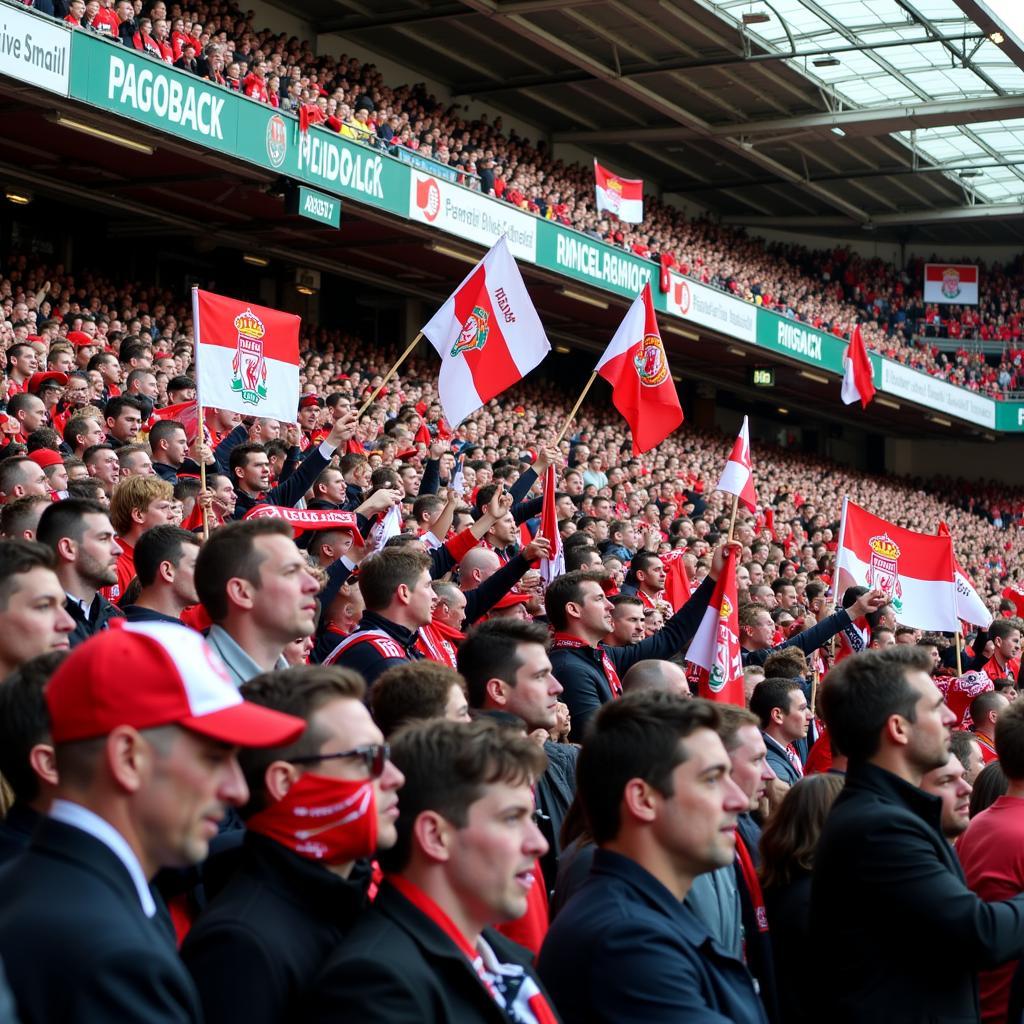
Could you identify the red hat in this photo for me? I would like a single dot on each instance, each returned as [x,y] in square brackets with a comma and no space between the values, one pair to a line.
[80,339]
[176,678]
[308,401]
[33,337]
[513,597]
[45,457]
[37,380]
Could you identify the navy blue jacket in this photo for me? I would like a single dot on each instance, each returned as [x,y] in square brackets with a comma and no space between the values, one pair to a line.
[625,950]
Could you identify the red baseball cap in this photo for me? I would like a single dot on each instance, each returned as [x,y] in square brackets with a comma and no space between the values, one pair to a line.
[311,401]
[148,674]
[44,457]
[80,339]
[37,380]
[513,597]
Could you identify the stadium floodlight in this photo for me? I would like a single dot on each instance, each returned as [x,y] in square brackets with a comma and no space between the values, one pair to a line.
[888,403]
[255,261]
[826,62]
[836,130]
[756,17]
[98,133]
[941,420]
[782,409]
[998,38]
[18,196]
[588,300]
[737,351]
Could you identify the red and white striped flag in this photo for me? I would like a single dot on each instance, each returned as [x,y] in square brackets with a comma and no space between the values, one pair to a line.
[623,197]
[247,356]
[488,335]
[554,566]
[738,476]
[916,570]
[859,375]
[969,605]
[716,646]
[636,366]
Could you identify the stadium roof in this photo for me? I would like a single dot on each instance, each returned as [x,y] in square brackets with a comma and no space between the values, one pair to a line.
[899,117]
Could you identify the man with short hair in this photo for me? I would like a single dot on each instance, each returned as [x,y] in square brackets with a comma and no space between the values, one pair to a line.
[79,532]
[463,862]
[102,463]
[627,621]
[785,717]
[134,460]
[29,411]
[417,691]
[138,504]
[20,518]
[169,445]
[81,433]
[646,578]
[965,746]
[290,897]
[1006,648]
[985,711]
[654,782]
[123,416]
[883,858]
[949,783]
[33,620]
[259,592]
[145,774]
[165,564]
[20,477]
[656,674]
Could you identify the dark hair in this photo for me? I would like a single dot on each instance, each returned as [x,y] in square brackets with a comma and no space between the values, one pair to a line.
[87,489]
[66,519]
[11,473]
[989,786]
[863,691]
[1009,740]
[75,426]
[381,575]
[15,350]
[117,405]
[240,456]
[637,737]
[43,437]
[180,383]
[157,545]
[231,552]
[1002,628]
[18,556]
[566,589]
[447,766]
[19,515]
[300,691]
[731,720]
[162,430]
[414,691]
[787,663]
[790,838]
[491,651]
[983,704]
[960,741]
[19,401]
[24,721]
[770,694]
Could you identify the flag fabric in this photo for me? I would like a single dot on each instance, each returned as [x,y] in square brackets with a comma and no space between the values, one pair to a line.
[636,366]
[553,566]
[738,476]
[623,197]
[914,569]
[185,413]
[715,648]
[387,526]
[969,605]
[858,375]
[951,283]
[677,583]
[488,335]
[247,357]
[303,519]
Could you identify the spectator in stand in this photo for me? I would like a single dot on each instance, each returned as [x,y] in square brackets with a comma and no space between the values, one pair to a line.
[418,691]
[656,674]
[82,538]
[627,621]
[285,900]
[103,465]
[124,420]
[463,862]
[883,856]
[20,478]
[135,460]
[138,504]
[1004,662]
[20,518]
[165,564]
[985,711]
[950,785]
[259,592]
[144,776]
[785,717]
[965,746]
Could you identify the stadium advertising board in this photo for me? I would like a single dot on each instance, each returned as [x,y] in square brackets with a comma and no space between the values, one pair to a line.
[1010,416]
[569,252]
[467,214]
[711,308]
[937,395]
[800,341]
[35,50]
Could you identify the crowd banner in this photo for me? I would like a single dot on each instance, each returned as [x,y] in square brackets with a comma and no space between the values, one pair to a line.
[951,283]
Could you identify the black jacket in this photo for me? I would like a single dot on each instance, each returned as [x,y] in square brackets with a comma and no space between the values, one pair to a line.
[374,655]
[895,932]
[289,491]
[16,830]
[272,920]
[554,792]
[808,641]
[76,943]
[579,671]
[624,950]
[398,966]
[789,918]
[101,611]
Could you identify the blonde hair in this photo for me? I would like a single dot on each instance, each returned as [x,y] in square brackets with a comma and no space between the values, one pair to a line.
[136,492]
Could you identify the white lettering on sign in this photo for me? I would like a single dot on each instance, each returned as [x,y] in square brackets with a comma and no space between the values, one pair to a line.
[796,339]
[328,160]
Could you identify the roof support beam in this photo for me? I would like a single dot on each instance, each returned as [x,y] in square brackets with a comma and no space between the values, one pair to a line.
[949,215]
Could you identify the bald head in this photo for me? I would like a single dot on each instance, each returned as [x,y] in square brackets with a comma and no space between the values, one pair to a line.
[654,674]
[478,565]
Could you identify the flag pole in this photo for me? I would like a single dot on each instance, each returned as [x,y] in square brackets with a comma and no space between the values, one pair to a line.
[815,673]
[201,436]
[398,362]
[575,409]
[732,518]
[959,666]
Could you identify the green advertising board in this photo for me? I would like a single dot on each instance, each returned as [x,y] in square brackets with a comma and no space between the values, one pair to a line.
[307,202]
[576,255]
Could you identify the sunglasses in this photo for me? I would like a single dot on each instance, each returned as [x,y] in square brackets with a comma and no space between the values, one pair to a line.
[374,756]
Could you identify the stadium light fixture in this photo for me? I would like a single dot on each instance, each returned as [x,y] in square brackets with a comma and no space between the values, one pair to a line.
[18,196]
[970,174]
[562,349]
[688,335]
[580,297]
[998,38]
[941,420]
[98,133]
[732,349]
[255,261]
[836,130]
[816,377]
[826,62]
[888,403]
[782,409]
[756,17]
[455,254]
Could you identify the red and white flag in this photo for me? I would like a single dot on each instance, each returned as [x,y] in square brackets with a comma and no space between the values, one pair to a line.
[554,566]
[636,366]
[185,413]
[954,283]
[914,569]
[247,356]
[738,476]
[859,375]
[969,605]
[716,646]
[624,197]
[677,584]
[487,334]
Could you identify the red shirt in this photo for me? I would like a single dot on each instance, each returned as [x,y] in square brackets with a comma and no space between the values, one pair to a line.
[994,672]
[992,854]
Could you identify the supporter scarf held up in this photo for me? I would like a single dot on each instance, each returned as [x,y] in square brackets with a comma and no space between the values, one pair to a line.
[323,818]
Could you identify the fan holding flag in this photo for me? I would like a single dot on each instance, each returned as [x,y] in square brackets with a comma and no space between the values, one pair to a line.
[737,478]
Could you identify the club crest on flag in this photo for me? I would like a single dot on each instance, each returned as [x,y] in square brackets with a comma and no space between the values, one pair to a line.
[613,194]
[474,332]
[428,198]
[951,282]
[249,366]
[650,362]
[883,569]
[728,660]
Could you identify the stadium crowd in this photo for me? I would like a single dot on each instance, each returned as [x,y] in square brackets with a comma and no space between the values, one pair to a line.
[348,756]
[831,289]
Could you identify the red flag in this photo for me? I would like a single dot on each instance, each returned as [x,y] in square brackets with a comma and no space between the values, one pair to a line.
[858,377]
[186,413]
[487,334]
[552,567]
[738,476]
[716,647]
[309,114]
[636,366]
[623,197]
[969,605]
[677,583]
